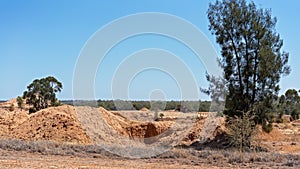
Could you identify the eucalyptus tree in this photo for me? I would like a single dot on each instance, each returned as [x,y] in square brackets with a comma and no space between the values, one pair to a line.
[41,93]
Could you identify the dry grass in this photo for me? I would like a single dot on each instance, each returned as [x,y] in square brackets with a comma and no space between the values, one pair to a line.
[52,148]
[231,158]
[179,156]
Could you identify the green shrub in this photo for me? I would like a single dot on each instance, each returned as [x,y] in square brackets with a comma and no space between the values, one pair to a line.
[20,102]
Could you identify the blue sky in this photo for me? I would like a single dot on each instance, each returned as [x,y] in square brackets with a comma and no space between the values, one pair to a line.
[41,38]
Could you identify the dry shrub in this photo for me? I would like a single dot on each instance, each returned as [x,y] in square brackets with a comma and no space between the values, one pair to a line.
[242,131]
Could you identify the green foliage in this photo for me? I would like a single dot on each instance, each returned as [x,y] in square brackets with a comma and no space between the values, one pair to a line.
[202,106]
[123,105]
[57,103]
[20,102]
[291,96]
[252,58]
[41,93]
[171,105]
[265,110]
[289,104]
[295,114]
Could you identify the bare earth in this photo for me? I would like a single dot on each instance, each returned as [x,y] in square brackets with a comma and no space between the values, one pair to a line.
[13,159]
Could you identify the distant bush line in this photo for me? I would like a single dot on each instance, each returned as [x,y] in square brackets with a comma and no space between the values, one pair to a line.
[184,106]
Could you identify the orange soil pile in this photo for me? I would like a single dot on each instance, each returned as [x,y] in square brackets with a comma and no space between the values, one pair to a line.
[281,132]
[11,119]
[103,121]
[67,124]
[284,138]
[194,133]
[134,129]
[274,135]
[208,130]
[56,123]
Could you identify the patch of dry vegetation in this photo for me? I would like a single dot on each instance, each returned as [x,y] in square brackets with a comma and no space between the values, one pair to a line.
[53,148]
[179,156]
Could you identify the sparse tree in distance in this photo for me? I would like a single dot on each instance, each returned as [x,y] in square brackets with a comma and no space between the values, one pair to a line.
[41,93]
[251,56]
[289,104]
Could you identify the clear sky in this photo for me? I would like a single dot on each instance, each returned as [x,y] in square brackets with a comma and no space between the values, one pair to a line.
[41,38]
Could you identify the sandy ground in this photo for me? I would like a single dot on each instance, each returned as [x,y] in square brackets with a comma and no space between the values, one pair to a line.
[24,160]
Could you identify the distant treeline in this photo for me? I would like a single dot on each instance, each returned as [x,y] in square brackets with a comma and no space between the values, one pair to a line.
[184,106]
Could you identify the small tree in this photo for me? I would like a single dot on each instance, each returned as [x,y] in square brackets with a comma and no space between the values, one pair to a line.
[20,102]
[41,93]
